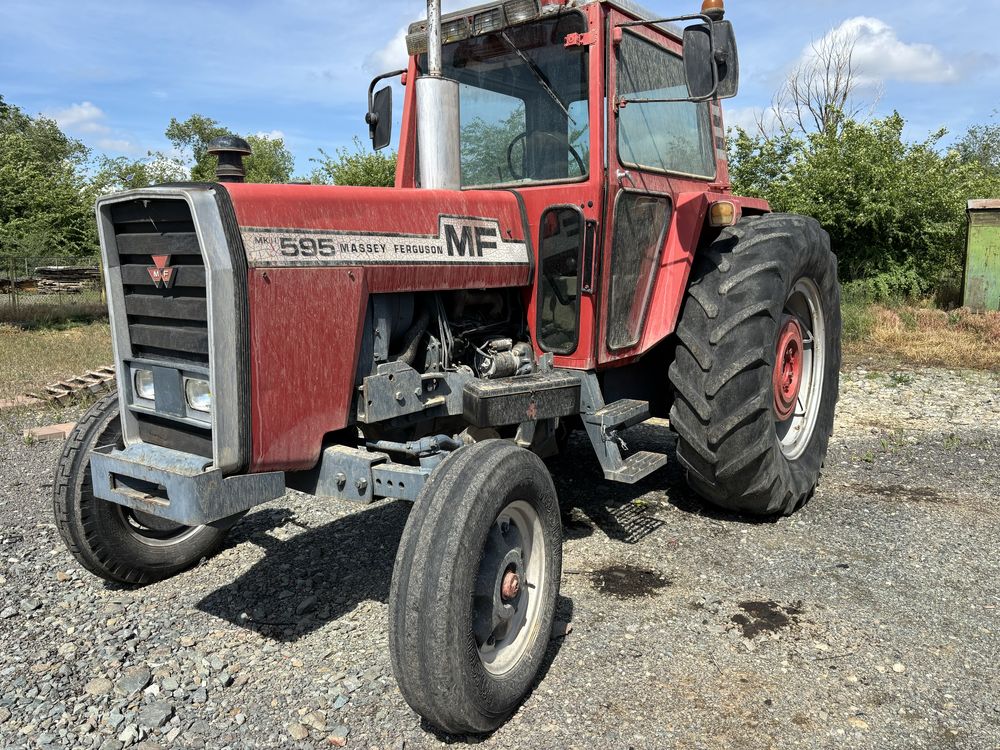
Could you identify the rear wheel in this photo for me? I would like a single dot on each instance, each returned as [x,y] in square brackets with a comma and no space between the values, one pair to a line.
[757,367]
[474,587]
[111,541]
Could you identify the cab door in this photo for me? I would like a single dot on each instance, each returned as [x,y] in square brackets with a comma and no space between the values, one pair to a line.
[657,153]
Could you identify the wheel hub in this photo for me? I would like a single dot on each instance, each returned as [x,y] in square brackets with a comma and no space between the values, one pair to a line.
[508,587]
[788,369]
[511,585]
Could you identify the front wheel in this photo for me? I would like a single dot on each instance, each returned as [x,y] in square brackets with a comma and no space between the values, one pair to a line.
[757,367]
[111,541]
[474,587]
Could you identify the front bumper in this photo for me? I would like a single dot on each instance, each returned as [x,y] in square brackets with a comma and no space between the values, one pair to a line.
[180,487]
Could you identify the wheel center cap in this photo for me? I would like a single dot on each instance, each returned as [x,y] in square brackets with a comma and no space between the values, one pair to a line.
[510,587]
[788,369]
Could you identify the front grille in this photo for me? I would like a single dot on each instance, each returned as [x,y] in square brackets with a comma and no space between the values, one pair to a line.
[165,324]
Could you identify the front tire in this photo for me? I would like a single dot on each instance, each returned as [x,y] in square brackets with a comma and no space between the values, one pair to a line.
[116,543]
[474,587]
[757,368]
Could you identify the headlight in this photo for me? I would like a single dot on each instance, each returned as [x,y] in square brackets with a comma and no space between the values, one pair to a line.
[198,395]
[144,387]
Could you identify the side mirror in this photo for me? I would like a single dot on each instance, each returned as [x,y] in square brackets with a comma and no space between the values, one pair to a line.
[711,61]
[379,118]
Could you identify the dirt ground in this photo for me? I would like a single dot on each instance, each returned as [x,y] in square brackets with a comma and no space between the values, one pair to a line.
[867,620]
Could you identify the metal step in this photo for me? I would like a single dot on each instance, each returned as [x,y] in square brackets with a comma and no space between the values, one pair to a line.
[619,415]
[636,467]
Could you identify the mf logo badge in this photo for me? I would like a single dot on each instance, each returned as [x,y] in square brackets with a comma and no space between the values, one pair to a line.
[461,240]
[162,273]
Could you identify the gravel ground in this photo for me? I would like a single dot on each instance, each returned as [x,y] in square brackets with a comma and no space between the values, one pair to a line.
[867,620]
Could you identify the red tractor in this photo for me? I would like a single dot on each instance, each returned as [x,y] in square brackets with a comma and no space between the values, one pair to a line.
[561,250]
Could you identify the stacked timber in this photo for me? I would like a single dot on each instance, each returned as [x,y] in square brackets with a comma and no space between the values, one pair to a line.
[67,279]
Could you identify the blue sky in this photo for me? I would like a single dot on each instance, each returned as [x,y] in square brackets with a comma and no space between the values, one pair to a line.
[113,74]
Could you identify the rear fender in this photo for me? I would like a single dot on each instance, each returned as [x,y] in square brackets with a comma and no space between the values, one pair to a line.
[688,231]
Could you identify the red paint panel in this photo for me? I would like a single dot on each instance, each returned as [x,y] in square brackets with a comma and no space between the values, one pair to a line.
[675,268]
[366,209]
[305,334]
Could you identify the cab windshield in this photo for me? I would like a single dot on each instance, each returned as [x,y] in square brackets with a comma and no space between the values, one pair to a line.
[523,98]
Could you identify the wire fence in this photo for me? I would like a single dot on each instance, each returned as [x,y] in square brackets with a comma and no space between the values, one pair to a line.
[38,290]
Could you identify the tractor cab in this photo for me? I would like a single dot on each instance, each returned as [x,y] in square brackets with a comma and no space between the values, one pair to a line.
[604,119]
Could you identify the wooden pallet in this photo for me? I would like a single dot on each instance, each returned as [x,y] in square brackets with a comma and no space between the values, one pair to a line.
[66,391]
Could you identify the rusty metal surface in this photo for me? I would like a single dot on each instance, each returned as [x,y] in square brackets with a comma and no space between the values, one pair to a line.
[177,486]
[984,205]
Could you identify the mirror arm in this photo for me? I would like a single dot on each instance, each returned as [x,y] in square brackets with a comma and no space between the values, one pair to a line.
[372,118]
[675,19]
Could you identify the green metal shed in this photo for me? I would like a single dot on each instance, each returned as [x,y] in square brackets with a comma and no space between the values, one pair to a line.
[982,261]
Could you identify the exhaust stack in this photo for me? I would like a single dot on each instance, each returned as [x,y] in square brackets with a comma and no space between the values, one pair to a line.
[438,121]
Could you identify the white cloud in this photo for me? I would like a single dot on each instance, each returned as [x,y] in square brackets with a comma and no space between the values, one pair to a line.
[273,135]
[89,122]
[119,145]
[880,55]
[390,57]
[84,117]
[745,117]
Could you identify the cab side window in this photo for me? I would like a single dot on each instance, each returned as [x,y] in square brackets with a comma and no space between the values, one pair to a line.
[673,137]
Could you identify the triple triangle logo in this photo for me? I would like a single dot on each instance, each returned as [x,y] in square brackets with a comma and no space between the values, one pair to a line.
[162,273]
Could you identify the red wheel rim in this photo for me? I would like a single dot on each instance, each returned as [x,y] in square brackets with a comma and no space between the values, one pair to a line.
[788,369]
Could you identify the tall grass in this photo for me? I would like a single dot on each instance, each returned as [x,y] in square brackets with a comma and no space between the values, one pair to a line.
[31,359]
[40,315]
[879,327]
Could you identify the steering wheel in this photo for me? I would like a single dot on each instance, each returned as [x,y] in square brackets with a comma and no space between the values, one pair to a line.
[523,136]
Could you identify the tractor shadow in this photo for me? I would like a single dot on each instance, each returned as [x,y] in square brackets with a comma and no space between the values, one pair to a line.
[627,513]
[308,579]
[320,574]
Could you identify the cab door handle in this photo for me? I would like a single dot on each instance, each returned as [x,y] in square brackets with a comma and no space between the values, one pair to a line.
[589,249]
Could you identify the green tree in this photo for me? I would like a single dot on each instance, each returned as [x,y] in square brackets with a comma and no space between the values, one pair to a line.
[982,144]
[46,205]
[361,167]
[191,138]
[121,173]
[271,161]
[895,209]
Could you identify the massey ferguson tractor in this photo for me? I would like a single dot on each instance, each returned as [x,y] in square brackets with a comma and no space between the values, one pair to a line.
[561,251]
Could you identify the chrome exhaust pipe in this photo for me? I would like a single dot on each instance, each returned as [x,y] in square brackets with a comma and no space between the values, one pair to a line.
[438,115]
[434,64]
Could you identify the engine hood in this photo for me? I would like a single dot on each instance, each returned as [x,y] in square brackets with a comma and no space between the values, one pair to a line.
[405,239]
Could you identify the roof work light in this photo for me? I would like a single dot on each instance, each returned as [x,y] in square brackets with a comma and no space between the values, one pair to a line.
[473,22]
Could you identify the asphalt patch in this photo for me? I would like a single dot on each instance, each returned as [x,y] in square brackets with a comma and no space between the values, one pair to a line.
[627,581]
[766,617]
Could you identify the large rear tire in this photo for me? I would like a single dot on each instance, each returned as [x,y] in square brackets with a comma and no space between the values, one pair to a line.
[116,543]
[757,367]
[474,587]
